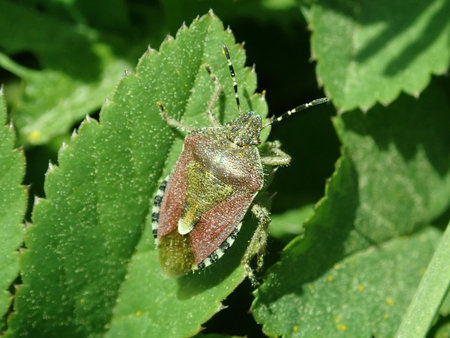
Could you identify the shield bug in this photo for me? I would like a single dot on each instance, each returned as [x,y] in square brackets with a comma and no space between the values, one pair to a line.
[199,207]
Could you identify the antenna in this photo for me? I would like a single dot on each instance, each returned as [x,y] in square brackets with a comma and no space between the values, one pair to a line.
[233,76]
[297,109]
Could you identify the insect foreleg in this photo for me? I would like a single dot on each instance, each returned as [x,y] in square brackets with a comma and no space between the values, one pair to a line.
[279,158]
[170,121]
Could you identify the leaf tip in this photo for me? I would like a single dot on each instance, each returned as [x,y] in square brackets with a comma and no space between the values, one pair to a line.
[168,38]
[313,56]
[36,201]
[50,168]
[27,224]
[222,306]
[319,82]
[211,12]
[126,73]
[150,49]
[74,134]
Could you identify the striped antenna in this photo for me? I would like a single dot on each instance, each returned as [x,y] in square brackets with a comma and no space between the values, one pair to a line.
[233,76]
[297,109]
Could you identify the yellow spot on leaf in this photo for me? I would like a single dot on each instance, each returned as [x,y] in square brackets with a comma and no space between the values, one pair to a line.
[35,135]
[386,316]
[82,300]
[390,301]
[330,278]
[342,327]
[311,287]
[336,267]
[138,313]
[295,328]
[360,287]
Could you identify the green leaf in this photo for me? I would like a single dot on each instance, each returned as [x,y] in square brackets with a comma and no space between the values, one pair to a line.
[443,331]
[370,51]
[13,200]
[430,294]
[360,261]
[88,249]
[74,80]
[290,223]
[110,14]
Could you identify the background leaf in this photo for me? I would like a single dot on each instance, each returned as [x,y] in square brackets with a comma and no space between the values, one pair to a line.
[74,81]
[91,221]
[371,51]
[12,208]
[289,224]
[430,294]
[352,266]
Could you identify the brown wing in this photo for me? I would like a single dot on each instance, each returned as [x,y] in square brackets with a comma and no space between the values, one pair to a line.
[217,224]
[174,198]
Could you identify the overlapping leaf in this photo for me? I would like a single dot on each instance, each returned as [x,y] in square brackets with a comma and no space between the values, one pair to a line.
[73,81]
[81,257]
[431,293]
[370,51]
[353,274]
[12,208]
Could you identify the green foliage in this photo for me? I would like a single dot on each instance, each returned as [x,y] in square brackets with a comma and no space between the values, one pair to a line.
[430,294]
[372,51]
[12,207]
[352,254]
[370,258]
[95,220]
[74,80]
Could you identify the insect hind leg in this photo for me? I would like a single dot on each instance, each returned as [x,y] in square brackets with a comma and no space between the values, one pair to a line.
[257,244]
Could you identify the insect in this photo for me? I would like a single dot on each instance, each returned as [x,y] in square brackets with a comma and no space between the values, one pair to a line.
[198,209]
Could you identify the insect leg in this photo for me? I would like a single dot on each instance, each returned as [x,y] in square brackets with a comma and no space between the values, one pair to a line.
[214,98]
[280,158]
[258,242]
[170,121]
